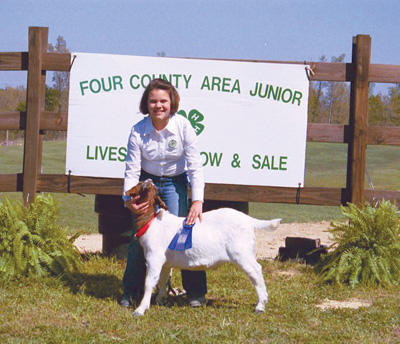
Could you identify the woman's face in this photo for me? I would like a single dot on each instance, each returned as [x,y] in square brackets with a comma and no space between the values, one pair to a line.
[159,106]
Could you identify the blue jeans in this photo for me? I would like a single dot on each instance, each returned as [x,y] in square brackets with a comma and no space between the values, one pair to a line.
[173,191]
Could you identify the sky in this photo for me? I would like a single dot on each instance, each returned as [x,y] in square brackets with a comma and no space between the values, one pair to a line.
[280,30]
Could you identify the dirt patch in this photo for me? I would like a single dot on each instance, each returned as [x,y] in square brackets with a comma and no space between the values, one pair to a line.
[267,243]
[89,243]
[351,303]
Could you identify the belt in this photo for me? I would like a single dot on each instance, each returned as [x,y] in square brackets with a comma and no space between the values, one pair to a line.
[157,179]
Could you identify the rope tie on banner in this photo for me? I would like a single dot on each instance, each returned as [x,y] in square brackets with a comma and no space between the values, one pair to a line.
[72,62]
[309,71]
[298,194]
[69,185]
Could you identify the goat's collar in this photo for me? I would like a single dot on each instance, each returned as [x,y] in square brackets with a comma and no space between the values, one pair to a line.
[143,230]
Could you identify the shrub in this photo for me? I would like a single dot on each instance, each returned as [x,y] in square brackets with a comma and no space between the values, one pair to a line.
[366,247]
[32,243]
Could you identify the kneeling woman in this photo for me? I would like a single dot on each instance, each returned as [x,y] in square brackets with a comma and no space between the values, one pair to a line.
[163,147]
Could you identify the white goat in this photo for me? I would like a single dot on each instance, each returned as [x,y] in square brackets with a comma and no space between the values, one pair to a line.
[223,235]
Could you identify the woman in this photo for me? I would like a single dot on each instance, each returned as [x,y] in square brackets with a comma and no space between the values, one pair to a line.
[163,147]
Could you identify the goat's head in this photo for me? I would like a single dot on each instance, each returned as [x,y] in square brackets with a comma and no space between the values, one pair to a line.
[146,191]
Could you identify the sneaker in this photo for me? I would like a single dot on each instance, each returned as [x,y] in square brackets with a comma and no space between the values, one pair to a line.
[197,301]
[125,303]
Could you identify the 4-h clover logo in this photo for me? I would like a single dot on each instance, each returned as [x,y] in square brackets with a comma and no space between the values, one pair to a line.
[194,117]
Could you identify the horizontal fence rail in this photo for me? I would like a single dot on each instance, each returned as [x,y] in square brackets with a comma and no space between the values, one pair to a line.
[48,121]
[316,132]
[239,193]
[323,71]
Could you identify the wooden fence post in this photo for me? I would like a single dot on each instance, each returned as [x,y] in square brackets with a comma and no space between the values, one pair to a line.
[35,102]
[358,119]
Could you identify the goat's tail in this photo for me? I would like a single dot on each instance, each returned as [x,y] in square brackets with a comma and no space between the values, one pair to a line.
[269,225]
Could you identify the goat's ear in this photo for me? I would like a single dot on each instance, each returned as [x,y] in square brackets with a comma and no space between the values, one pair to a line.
[161,202]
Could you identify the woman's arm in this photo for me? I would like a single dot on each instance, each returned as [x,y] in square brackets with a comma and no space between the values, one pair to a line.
[132,164]
[194,172]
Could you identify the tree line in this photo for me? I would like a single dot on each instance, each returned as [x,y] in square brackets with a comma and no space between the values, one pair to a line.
[56,98]
[329,102]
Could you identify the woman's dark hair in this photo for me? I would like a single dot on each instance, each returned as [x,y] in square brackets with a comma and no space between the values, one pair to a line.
[160,84]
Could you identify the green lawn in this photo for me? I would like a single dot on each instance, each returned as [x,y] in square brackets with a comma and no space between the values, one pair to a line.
[325,166]
[83,308]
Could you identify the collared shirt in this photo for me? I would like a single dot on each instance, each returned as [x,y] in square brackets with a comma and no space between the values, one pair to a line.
[168,152]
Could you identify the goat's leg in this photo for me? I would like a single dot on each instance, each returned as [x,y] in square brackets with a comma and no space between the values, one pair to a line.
[162,284]
[152,277]
[254,271]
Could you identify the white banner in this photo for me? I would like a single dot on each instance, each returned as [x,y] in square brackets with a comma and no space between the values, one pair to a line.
[250,118]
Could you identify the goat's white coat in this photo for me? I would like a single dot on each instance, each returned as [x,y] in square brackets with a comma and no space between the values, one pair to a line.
[224,235]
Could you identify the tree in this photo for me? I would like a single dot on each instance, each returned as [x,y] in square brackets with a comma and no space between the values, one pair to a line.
[376,110]
[10,97]
[314,105]
[316,98]
[394,104]
[337,98]
[60,79]
[385,109]
[52,99]
[329,101]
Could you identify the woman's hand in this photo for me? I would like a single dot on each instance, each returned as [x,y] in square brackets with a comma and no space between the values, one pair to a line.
[135,208]
[196,211]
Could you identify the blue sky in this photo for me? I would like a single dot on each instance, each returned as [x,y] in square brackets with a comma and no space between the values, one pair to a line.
[284,30]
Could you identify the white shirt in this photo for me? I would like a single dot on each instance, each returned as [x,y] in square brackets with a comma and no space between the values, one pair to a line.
[168,152]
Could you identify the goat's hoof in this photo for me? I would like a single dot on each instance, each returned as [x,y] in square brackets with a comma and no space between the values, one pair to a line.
[137,314]
[260,310]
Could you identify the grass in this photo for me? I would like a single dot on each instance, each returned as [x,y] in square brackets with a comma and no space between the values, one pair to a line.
[76,211]
[83,309]
[325,166]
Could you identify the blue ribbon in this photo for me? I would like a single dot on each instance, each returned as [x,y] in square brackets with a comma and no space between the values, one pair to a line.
[183,239]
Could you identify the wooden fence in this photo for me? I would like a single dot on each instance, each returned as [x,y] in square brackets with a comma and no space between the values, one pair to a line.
[357,134]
